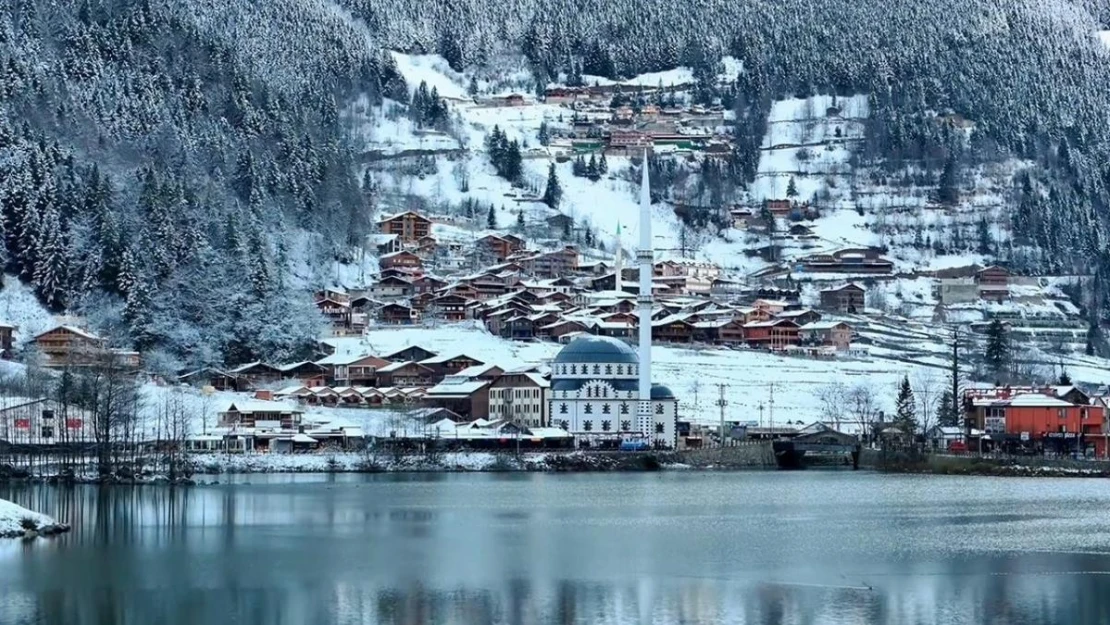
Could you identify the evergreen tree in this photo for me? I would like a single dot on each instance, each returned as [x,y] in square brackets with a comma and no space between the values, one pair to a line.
[984,235]
[544,138]
[520,221]
[905,415]
[997,355]
[791,188]
[948,192]
[946,414]
[553,194]
[51,275]
[591,169]
[1064,379]
[579,167]
[491,218]
[472,88]
[602,165]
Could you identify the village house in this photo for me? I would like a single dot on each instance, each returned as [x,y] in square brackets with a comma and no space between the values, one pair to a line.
[558,225]
[427,284]
[404,260]
[426,246]
[451,307]
[254,374]
[500,247]
[847,298]
[413,353]
[217,379]
[70,346]
[520,397]
[405,374]
[800,316]
[830,333]
[467,397]
[443,366]
[993,283]
[398,314]
[338,313]
[43,422]
[261,412]
[554,264]
[408,226]
[391,288]
[741,217]
[384,243]
[352,369]
[306,372]
[1038,420]
[774,335]
[673,329]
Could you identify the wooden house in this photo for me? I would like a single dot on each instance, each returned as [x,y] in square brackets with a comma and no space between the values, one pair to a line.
[406,374]
[337,312]
[306,372]
[69,346]
[672,330]
[353,370]
[848,298]
[800,316]
[216,378]
[398,314]
[403,260]
[7,340]
[860,260]
[443,366]
[452,307]
[413,353]
[409,226]
[775,334]
[392,287]
[829,333]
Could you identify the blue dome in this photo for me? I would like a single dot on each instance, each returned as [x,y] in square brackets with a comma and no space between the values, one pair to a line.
[658,391]
[600,349]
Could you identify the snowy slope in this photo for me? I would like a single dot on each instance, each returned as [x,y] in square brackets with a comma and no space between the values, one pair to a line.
[12,515]
[19,307]
[1104,36]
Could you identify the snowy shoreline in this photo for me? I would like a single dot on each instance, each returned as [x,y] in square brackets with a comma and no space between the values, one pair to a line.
[19,522]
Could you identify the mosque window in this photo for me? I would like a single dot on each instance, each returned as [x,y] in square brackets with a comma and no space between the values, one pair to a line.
[563,408]
[573,370]
[564,424]
[620,369]
[605,391]
[606,425]
[597,369]
[589,391]
[624,407]
[658,408]
[626,425]
[658,428]
[589,409]
[606,409]
[588,425]
[608,369]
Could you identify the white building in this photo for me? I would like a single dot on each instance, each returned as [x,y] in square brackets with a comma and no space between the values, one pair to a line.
[594,391]
[39,421]
[522,397]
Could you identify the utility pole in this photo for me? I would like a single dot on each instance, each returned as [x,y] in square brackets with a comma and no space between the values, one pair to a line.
[771,409]
[721,403]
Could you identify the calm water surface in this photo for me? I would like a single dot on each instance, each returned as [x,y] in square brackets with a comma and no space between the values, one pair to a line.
[667,548]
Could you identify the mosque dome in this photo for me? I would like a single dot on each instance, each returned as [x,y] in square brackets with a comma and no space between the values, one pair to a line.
[597,349]
[658,391]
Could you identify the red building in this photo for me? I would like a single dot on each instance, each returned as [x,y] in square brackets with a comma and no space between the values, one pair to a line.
[1051,419]
[774,334]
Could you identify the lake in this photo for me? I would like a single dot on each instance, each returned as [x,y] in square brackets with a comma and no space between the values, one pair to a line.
[687,548]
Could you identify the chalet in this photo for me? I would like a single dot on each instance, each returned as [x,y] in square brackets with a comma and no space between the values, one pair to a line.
[518,328]
[521,397]
[408,226]
[426,246]
[800,316]
[994,283]
[338,313]
[462,290]
[406,374]
[305,372]
[849,260]
[771,306]
[443,366]
[560,95]
[560,224]
[741,218]
[260,413]
[832,333]
[427,284]
[499,246]
[482,372]
[466,397]
[775,334]
[560,328]
[800,231]
[848,298]
[731,332]
[673,329]
[352,370]
[555,264]
[398,314]
[69,346]
[391,287]
[255,374]
[7,340]
[451,307]
[403,260]
[44,422]
[513,99]
[779,208]
[709,330]
[413,353]
[517,243]
[336,294]
[214,378]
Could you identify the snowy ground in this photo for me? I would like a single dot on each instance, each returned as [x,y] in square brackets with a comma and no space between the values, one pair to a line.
[12,516]
[20,308]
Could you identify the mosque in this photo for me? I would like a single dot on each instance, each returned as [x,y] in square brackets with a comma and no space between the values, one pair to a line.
[601,385]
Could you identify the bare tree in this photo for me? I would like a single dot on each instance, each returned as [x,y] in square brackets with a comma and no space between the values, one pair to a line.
[833,397]
[174,426]
[863,407]
[927,389]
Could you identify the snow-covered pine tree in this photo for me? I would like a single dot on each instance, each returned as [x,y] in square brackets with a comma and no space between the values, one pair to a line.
[51,273]
[905,415]
[491,218]
[553,193]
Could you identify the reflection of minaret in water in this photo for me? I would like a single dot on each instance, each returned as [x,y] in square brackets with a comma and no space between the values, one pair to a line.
[645,259]
[618,279]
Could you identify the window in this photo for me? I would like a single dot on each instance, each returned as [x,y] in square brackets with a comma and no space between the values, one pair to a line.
[589,391]
[624,407]
[563,408]
[608,369]
[605,391]
[48,431]
[573,370]
[589,409]
[626,425]
[1061,413]
[1083,413]
[606,425]
[658,428]
[588,425]
[620,369]
[606,409]
[564,424]
[658,408]
[47,414]
[597,369]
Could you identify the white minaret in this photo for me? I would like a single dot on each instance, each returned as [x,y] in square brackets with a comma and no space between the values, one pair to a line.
[646,261]
[618,284]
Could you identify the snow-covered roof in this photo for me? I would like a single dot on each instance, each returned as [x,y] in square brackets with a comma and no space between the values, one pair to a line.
[260,405]
[7,403]
[395,366]
[436,360]
[74,330]
[294,365]
[292,390]
[303,438]
[1037,400]
[453,388]
[822,325]
[475,371]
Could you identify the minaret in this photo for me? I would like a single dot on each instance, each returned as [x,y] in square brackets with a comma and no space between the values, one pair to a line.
[646,261]
[618,284]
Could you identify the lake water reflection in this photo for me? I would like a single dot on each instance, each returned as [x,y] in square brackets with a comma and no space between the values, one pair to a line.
[668,548]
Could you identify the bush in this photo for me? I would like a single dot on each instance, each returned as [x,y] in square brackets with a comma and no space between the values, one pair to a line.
[29,524]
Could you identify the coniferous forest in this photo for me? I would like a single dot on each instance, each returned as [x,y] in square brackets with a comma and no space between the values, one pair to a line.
[168,167]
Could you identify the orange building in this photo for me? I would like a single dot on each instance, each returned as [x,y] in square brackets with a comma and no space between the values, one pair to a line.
[1040,421]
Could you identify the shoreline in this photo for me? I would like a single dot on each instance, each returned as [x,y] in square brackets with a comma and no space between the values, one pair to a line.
[19,522]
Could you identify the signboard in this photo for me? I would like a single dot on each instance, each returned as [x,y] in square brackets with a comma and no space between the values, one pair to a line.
[994,425]
[23,424]
[1025,436]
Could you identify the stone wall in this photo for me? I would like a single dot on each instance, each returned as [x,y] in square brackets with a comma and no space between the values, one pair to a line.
[753,454]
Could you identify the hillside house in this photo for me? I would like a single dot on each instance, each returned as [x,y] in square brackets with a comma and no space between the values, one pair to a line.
[426,246]
[499,247]
[559,225]
[451,307]
[409,226]
[520,397]
[352,370]
[217,379]
[774,335]
[406,374]
[384,243]
[391,288]
[831,333]
[466,397]
[672,330]
[404,260]
[443,366]
[553,264]
[994,283]
[255,374]
[848,298]
[413,353]
[7,340]
[800,316]
[741,218]
[427,284]
[338,313]
[262,413]
[398,314]
[306,372]
[70,346]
